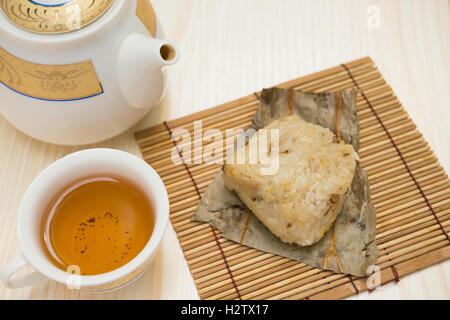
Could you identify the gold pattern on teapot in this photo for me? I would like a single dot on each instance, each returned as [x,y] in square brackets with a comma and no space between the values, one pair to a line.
[145,13]
[65,17]
[49,82]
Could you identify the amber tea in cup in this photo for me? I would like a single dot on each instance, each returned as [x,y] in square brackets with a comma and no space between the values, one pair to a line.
[97,225]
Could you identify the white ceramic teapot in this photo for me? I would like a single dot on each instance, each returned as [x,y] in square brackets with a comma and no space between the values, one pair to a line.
[80,71]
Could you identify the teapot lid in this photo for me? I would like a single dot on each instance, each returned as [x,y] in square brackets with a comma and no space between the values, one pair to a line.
[53,16]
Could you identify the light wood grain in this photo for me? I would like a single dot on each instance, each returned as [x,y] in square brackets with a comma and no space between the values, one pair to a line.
[232,48]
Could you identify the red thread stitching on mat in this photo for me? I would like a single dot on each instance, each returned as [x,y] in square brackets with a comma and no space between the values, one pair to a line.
[396,278]
[394,271]
[182,159]
[398,151]
[353,284]
[200,196]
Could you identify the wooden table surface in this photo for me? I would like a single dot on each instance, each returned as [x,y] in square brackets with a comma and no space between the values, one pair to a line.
[232,48]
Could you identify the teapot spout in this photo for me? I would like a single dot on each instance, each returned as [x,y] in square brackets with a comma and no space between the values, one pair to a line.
[140,63]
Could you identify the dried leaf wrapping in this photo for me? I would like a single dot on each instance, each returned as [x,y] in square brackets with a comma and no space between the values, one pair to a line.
[349,246]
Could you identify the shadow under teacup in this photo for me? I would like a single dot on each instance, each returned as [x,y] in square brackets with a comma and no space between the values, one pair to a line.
[56,177]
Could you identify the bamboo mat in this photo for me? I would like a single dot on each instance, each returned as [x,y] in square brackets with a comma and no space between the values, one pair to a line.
[409,188]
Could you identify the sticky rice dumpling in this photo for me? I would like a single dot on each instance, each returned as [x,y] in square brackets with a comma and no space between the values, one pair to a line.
[301,201]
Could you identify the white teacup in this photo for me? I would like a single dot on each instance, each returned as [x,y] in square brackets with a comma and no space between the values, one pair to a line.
[87,163]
